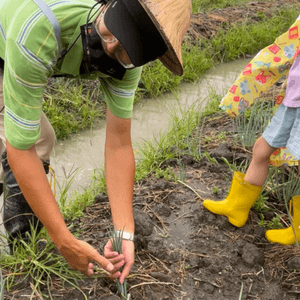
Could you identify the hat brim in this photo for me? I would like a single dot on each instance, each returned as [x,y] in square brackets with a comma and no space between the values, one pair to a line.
[139,36]
[171,59]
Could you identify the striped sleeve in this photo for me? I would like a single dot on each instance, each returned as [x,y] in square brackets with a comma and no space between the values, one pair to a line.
[23,84]
[119,94]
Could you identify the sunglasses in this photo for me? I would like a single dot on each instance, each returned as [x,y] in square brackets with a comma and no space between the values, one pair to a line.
[107,37]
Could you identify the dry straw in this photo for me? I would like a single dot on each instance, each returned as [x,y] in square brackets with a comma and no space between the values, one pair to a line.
[172,19]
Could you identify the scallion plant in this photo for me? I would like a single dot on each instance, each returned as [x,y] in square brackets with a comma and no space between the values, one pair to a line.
[116,240]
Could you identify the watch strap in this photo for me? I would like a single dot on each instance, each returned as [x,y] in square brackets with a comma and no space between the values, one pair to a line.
[125,235]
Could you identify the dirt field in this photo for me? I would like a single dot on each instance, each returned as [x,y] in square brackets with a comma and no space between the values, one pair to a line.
[182,250]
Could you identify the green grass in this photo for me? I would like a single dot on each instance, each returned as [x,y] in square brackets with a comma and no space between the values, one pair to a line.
[199,56]
[248,38]
[39,266]
[70,107]
[73,105]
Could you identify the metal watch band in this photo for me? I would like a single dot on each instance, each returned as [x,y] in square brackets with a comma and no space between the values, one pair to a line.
[125,235]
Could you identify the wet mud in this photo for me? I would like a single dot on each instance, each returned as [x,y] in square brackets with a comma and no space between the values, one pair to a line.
[182,250]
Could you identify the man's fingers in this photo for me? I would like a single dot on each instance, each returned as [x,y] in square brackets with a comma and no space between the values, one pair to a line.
[102,261]
[116,259]
[119,265]
[109,254]
[125,272]
[115,275]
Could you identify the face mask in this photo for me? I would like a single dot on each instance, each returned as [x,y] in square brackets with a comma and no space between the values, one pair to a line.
[94,56]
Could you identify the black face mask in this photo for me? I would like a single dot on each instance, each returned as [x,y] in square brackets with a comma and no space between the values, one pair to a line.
[94,57]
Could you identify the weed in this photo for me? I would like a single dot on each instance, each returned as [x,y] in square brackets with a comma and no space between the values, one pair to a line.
[273,224]
[221,136]
[283,183]
[209,158]
[207,139]
[207,5]
[167,173]
[261,204]
[215,190]
[38,264]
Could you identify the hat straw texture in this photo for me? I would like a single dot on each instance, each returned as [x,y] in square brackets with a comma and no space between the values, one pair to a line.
[172,19]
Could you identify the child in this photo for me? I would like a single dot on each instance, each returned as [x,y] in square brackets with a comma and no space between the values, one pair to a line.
[263,71]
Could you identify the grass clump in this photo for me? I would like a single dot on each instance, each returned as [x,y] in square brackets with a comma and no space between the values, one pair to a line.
[252,122]
[249,38]
[38,264]
[71,107]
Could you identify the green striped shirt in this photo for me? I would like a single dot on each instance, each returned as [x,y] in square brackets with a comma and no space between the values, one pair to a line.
[30,50]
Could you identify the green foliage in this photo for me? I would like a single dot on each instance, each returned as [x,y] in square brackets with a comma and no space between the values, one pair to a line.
[248,38]
[241,167]
[251,124]
[207,139]
[69,107]
[39,264]
[273,224]
[283,183]
[215,190]
[221,136]
[116,240]
[165,173]
[261,204]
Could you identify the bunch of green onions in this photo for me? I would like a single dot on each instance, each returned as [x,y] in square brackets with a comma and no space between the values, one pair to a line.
[116,240]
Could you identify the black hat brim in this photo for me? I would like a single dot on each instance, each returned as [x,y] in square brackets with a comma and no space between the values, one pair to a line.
[131,25]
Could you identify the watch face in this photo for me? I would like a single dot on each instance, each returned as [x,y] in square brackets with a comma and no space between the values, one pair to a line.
[128,236]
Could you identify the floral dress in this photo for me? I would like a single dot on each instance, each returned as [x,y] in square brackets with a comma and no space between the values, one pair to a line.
[266,68]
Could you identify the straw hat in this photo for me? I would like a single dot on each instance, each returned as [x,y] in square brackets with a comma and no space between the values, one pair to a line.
[172,19]
[150,29]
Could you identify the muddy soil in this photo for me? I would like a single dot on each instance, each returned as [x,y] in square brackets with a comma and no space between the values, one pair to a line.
[206,25]
[182,250]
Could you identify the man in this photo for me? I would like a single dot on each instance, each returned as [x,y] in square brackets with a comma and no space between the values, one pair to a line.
[87,39]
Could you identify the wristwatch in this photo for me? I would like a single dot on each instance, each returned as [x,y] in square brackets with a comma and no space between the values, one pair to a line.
[125,235]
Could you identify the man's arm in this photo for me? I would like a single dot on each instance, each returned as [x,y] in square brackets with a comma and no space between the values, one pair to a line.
[119,171]
[31,177]
[119,175]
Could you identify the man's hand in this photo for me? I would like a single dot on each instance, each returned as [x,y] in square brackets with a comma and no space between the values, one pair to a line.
[80,256]
[128,254]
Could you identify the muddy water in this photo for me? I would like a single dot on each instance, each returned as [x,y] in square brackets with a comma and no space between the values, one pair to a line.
[84,152]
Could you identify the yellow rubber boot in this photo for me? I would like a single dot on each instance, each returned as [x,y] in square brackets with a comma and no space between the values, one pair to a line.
[286,236]
[238,203]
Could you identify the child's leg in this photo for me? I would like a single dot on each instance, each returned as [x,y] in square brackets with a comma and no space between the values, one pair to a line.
[258,169]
